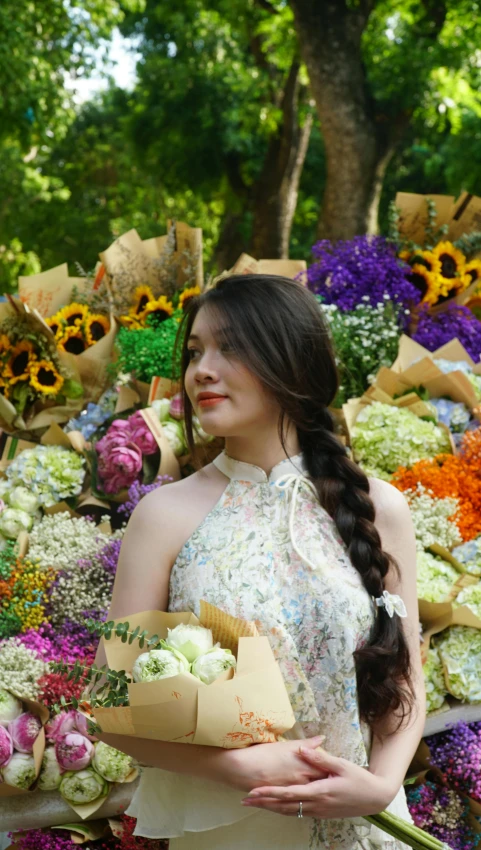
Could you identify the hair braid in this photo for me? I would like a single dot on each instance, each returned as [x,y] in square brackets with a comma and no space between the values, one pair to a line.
[343,490]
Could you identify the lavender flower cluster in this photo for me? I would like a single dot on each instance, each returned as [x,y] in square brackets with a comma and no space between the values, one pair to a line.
[457,753]
[441,812]
[433,331]
[346,273]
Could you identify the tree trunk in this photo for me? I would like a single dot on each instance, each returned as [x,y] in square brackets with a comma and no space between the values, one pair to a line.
[231,243]
[358,146]
[276,191]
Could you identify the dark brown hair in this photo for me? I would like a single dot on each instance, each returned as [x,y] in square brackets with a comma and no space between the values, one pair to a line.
[277,329]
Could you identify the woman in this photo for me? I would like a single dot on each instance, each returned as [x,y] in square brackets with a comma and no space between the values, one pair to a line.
[285,530]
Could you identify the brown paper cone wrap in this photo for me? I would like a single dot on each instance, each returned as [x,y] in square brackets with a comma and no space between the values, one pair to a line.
[461,216]
[242,708]
[437,616]
[40,711]
[246,264]
[92,364]
[48,291]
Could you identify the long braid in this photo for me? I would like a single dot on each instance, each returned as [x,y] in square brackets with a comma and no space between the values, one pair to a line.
[343,491]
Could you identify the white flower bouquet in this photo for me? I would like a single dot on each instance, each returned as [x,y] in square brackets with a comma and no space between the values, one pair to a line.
[212,681]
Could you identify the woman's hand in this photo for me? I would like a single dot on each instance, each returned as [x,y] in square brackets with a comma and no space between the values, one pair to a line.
[346,791]
[271,764]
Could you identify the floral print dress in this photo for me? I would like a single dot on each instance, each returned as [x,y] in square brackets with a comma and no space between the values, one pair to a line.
[269,552]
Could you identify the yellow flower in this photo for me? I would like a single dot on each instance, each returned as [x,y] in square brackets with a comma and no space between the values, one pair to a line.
[159,309]
[45,378]
[452,260]
[405,255]
[431,261]
[142,295]
[96,326]
[187,295]
[54,323]
[130,322]
[473,271]
[72,340]
[21,358]
[425,282]
[73,314]
[5,344]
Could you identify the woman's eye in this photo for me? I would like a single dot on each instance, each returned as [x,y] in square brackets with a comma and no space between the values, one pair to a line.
[192,353]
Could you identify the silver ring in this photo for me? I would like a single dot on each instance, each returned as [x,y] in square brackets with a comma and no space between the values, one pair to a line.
[299,813]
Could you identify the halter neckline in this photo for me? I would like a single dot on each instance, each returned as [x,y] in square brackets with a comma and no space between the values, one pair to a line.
[239,470]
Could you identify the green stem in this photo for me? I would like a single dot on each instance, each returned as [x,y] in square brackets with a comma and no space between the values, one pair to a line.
[404,831]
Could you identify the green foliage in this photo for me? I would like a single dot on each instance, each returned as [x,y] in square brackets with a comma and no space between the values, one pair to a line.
[148,352]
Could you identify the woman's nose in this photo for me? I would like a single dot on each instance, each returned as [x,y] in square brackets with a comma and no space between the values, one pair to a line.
[206,370]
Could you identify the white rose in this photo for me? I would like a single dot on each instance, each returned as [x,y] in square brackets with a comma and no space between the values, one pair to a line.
[210,666]
[13,521]
[23,499]
[159,664]
[174,432]
[162,408]
[191,641]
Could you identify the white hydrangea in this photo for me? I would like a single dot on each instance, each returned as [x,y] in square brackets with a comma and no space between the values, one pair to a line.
[460,652]
[432,518]
[471,597]
[435,577]
[434,681]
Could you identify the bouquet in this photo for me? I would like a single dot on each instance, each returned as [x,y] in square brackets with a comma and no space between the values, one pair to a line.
[185,688]
[76,328]
[33,373]
[22,742]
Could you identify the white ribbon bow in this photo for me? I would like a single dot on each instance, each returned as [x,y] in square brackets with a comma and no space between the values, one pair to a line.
[392,603]
[284,483]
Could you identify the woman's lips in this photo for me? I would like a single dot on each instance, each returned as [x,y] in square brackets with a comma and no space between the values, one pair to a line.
[211,401]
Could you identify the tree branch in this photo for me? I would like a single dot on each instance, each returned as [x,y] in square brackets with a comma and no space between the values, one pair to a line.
[268,7]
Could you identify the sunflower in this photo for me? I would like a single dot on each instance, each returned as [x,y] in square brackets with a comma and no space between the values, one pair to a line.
[186,296]
[45,378]
[21,358]
[405,255]
[451,259]
[473,271]
[4,389]
[96,326]
[425,282]
[72,340]
[158,309]
[73,314]
[5,344]
[429,259]
[54,323]
[130,322]
[142,295]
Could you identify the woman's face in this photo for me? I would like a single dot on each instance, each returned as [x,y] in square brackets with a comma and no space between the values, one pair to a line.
[228,399]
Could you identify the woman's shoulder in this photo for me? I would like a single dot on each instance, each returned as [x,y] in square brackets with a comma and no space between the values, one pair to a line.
[389,503]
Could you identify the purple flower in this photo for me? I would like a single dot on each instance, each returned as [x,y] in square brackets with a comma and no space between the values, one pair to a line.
[363,269]
[24,732]
[137,491]
[435,331]
[457,753]
[38,839]
[73,751]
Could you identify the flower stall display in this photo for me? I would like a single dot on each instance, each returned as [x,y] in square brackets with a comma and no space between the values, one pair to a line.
[34,375]
[385,437]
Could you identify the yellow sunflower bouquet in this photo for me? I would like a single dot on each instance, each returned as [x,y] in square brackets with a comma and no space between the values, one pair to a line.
[33,373]
[76,328]
[148,311]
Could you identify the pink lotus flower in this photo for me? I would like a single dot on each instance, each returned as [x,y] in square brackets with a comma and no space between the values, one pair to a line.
[24,731]
[126,460]
[144,439]
[66,721]
[111,441]
[176,409]
[6,747]
[74,751]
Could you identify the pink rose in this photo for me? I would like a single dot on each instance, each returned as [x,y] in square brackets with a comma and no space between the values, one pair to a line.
[74,751]
[121,426]
[144,439]
[125,460]
[115,483]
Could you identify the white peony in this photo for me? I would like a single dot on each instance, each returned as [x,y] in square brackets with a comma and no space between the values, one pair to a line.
[191,641]
[159,664]
[50,775]
[20,771]
[210,666]
[110,763]
[23,499]
[174,432]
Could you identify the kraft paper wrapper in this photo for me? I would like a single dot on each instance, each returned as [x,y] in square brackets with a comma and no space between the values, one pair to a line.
[81,833]
[47,291]
[241,708]
[86,810]
[437,616]
[92,364]
[169,464]
[11,448]
[414,214]
[40,711]
[130,257]
[161,388]
[248,265]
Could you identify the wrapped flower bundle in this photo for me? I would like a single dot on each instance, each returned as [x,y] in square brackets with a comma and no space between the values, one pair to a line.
[460,651]
[121,452]
[22,742]
[435,577]
[31,370]
[444,814]
[233,694]
[51,473]
[436,690]
[385,437]
[76,328]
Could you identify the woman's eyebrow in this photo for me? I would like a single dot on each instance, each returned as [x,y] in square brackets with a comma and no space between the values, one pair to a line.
[193,336]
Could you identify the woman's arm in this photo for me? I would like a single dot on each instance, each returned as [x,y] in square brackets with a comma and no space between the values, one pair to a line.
[349,790]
